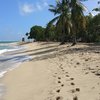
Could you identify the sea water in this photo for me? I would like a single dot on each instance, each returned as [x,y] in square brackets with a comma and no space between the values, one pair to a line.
[10,58]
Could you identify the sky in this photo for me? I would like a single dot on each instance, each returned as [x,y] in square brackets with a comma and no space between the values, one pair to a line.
[18,16]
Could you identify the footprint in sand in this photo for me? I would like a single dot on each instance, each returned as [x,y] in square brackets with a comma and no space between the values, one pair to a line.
[71,78]
[66,72]
[62,85]
[61,67]
[59,98]
[63,70]
[87,73]
[93,71]
[74,66]
[59,81]
[75,98]
[78,63]
[72,83]
[97,66]
[77,89]
[97,73]
[67,75]
[73,91]
[58,91]
[86,59]
[59,78]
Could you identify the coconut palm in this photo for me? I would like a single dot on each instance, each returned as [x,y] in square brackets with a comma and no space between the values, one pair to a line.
[62,19]
[70,17]
[77,17]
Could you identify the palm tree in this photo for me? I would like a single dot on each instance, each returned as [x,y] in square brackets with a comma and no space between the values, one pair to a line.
[62,19]
[77,17]
[69,17]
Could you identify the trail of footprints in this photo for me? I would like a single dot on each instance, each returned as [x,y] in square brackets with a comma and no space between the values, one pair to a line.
[70,80]
[61,84]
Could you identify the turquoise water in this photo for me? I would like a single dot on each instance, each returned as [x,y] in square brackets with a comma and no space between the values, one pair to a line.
[6,46]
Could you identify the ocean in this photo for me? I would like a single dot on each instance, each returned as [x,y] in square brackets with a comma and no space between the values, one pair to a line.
[10,58]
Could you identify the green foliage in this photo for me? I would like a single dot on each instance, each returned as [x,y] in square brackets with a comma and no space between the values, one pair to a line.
[62,19]
[94,29]
[69,20]
[37,32]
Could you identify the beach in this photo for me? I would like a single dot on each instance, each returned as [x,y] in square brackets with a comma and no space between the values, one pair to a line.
[55,72]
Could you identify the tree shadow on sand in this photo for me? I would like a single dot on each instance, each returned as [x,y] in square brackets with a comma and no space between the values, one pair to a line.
[61,51]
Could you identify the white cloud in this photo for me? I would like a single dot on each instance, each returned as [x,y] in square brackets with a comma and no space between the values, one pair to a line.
[27,8]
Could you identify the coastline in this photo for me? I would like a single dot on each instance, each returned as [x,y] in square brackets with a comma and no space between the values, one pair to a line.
[55,73]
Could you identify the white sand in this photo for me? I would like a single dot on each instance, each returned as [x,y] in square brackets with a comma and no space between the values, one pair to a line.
[56,73]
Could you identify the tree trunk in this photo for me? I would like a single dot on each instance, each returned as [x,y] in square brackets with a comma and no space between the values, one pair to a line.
[63,34]
[74,40]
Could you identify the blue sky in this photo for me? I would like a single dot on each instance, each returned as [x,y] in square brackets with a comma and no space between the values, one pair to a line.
[17,16]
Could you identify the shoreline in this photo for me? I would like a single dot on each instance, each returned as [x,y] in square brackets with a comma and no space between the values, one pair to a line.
[56,73]
[9,58]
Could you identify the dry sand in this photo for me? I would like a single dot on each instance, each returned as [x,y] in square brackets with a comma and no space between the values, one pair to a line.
[56,73]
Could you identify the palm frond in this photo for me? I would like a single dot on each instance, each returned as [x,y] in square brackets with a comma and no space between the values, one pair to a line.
[51,22]
[96,9]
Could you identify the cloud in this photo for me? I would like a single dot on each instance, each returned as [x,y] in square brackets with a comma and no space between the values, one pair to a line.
[28,8]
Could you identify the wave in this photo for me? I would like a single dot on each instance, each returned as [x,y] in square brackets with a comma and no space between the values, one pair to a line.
[7,50]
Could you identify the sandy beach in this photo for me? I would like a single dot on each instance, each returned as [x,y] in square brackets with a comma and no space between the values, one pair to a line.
[56,72]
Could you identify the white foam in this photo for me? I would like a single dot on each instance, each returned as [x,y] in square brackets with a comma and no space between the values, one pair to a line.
[3,51]
[7,50]
[2,73]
